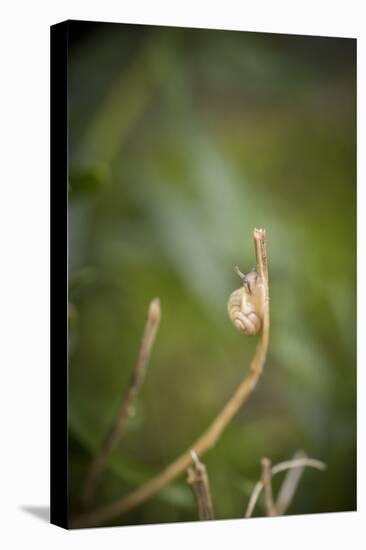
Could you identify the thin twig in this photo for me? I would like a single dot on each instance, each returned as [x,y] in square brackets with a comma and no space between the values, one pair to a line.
[211,435]
[198,479]
[298,463]
[289,485]
[267,486]
[281,467]
[125,409]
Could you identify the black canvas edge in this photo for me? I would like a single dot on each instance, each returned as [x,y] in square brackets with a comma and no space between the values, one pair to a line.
[59,263]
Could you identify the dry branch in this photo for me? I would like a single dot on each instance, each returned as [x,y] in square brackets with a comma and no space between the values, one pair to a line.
[289,485]
[267,486]
[281,467]
[208,439]
[113,437]
[199,482]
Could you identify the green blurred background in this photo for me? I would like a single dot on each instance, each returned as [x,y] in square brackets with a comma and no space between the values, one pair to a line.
[181,141]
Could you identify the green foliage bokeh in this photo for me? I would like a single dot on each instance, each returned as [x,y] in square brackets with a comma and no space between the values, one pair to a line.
[181,141]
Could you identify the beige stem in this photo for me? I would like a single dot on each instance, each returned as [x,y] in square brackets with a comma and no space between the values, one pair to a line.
[199,482]
[211,435]
[267,486]
[281,467]
[289,485]
[124,411]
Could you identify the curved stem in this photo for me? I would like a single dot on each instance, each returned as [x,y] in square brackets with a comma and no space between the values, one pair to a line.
[211,435]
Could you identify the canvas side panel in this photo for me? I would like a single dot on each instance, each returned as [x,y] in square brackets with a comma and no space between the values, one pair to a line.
[59,293]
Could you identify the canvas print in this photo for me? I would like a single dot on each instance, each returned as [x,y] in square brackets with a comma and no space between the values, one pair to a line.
[211,370]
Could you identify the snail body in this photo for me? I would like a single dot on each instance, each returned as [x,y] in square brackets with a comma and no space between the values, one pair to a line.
[245,305]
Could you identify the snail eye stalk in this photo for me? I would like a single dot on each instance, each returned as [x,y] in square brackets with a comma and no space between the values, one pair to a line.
[238,272]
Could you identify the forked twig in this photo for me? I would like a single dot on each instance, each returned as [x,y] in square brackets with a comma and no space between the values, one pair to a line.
[281,467]
[198,480]
[211,435]
[113,437]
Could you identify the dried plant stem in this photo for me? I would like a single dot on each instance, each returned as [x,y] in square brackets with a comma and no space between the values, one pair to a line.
[298,463]
[198,480]
[113,437]
[267,486]
[281,467]
[289,485]
[211,435]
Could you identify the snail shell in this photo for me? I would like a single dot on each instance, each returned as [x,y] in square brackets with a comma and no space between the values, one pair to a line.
[245,305]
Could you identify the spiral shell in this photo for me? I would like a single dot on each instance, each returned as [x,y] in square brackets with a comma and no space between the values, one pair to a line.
[245,306]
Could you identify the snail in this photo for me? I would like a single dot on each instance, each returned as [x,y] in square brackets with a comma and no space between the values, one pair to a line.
[245,305]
